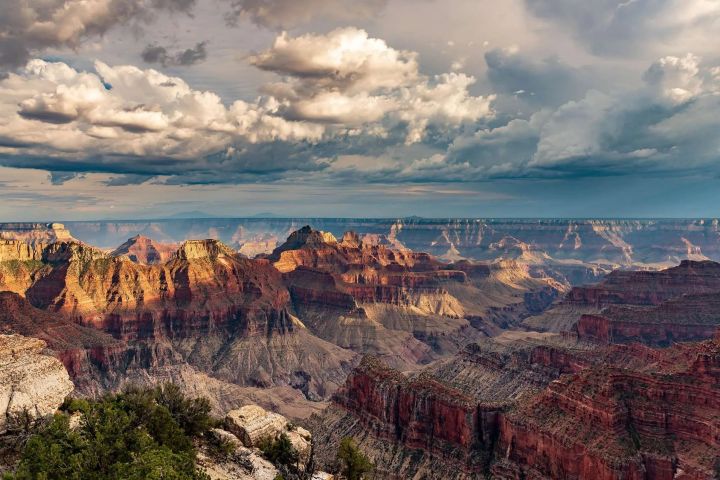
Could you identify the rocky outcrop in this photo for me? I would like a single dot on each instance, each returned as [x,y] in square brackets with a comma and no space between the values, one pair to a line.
[146,251]
[35,233]
[30,381]
[242,463]
[253,425]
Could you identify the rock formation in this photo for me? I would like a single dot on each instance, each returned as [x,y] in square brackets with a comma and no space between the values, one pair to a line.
[612,423]
[253,424]
[654,307]
[580,412]
[206,307]
[405,306]
[30,381]
[35,233]
[144,250]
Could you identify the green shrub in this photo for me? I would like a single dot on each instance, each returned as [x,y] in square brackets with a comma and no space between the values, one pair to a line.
[355,465]
[220,448]
[280,451]
[192,414]
[72,405]
[131,435]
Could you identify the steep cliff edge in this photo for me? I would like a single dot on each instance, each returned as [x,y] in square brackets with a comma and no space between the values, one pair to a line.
[613,423]
[579,412]
[30,381]
[410,427]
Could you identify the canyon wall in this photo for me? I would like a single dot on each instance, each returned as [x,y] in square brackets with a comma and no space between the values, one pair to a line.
[620,242]
[609,413]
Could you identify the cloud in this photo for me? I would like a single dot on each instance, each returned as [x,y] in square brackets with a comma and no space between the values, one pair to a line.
[159,54]
[126,120]
[59,178]
[338,94]
[669,126]
[621,27]
[31,26]
[537,82]
[285,14]
[346,77]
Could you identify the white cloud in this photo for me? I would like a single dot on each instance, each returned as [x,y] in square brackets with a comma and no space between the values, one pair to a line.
[52,109]
[346,77]
[128,120]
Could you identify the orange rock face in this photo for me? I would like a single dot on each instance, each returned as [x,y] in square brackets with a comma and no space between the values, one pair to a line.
[203,307]
[146,251]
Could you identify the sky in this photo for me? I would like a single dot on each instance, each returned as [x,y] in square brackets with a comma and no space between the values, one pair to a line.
[132,109]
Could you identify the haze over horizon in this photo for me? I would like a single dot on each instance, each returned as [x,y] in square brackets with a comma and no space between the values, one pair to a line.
[121,109]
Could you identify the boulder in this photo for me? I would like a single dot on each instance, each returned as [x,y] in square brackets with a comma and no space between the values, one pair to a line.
[30,381]
[252,424]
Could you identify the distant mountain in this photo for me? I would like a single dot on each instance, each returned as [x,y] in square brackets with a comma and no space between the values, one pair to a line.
[192,214]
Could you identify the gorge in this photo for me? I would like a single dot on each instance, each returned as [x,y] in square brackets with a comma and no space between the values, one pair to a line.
[519,366]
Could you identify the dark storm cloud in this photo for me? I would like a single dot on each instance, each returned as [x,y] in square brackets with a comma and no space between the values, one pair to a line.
[189,56]
[31,26]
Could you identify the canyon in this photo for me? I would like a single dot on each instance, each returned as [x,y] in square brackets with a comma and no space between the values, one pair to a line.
[498,354]
[653,242]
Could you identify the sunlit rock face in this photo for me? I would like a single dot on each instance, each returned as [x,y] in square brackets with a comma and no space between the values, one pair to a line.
[31,381]
[145,250]
[407,307]
[35,233]
[206,308]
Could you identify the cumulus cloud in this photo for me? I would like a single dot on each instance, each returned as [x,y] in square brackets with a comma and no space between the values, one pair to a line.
[669,125]
[29,26]
[619,26]
[346,77]
[338,94]
[125,119]
[159,54]
[284,14]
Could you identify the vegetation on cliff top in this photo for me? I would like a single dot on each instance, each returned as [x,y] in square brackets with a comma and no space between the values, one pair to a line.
[137,434]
